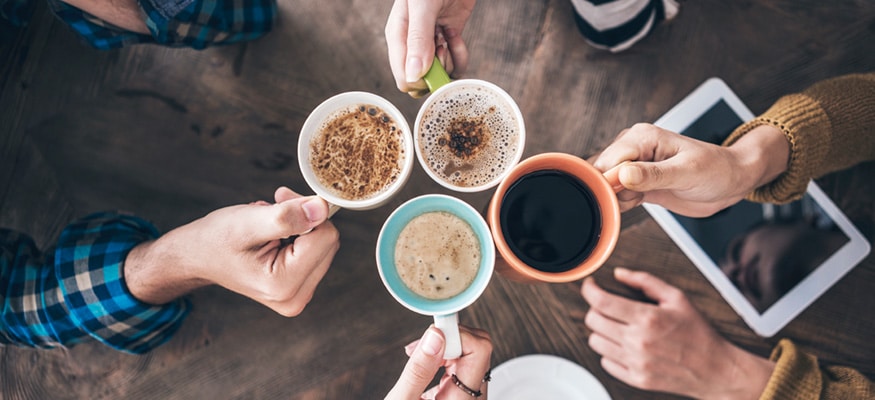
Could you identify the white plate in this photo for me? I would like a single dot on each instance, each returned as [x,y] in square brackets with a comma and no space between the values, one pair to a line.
[544,376]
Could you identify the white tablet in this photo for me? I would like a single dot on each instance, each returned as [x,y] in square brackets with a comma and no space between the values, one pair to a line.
[768,261]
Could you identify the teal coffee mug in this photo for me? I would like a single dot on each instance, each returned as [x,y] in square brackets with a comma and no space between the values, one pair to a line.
[435,256]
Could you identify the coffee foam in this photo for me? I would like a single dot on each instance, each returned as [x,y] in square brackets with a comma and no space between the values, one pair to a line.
[358,152]
[437,255]
[484,114]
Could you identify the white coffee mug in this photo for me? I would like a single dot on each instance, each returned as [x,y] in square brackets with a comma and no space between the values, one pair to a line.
[328,109]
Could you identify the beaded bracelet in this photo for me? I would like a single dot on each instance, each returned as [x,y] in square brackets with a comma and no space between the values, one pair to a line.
[466,389]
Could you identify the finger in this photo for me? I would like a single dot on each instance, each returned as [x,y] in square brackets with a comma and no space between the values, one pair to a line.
[471,367]
[610,305]
[652,286]
[260,224]
[417,93]
[641,142]
[304,264]
[283,193]
[431,393]
[458,50]
[621,149]
[480,333]
[424,363]
[616,369]
[410,347]
[476,357]
[422,19]
[396,42]
[605,347]
[592,159]
[629,199]
[302,288]
[444,57]
[651,176]
[604,326]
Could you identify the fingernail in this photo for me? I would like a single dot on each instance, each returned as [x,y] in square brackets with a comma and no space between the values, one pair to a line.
[632,175]
[413,69]
[314,210]
[431,343]
[620,271]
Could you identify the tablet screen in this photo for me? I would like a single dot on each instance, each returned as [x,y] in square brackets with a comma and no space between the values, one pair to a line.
[763,249]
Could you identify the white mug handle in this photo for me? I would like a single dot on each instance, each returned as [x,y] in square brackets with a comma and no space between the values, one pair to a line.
[449,325]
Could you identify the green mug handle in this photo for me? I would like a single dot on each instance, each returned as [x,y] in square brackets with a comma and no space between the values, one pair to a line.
[436,76]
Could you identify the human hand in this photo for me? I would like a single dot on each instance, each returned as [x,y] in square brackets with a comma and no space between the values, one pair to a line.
[667,346]
[427,357]
[689,176]
[244,249]
[417,31]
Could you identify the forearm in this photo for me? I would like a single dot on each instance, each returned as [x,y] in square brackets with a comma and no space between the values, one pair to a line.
[828,127]
[156,275]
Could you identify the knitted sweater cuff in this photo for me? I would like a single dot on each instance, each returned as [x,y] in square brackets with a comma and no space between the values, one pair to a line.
[796,376]
[795,115]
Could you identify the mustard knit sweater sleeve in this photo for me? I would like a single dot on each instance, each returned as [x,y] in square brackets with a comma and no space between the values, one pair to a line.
[798,376]
[830,126]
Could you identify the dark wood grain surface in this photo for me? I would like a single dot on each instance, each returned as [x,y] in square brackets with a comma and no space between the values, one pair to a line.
[172,134]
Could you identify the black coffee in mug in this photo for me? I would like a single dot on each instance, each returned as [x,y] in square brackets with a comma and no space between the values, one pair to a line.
[550,220]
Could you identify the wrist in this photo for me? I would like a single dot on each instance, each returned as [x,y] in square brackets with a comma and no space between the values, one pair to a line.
[746,376]
[762,155]
[155,274]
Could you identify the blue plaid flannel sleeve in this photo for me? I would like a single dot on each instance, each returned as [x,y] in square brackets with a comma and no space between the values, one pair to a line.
[78,292]
[200,24]
[176,23]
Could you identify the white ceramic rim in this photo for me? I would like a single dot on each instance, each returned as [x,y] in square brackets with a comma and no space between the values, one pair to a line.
[514,108]
[311,125]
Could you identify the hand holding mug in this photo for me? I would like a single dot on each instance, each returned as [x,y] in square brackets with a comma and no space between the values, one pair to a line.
[426,358]
[241,248]
[667,346]
[418,31]
[688,176]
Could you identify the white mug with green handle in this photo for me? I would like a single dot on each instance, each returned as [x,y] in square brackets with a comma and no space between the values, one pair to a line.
[468,133]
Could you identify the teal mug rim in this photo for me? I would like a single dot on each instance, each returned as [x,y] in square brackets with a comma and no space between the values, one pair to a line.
[385,253]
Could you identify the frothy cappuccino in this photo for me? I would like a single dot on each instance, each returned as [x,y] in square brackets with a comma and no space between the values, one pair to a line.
[358,152]
[469,136]
[437,255]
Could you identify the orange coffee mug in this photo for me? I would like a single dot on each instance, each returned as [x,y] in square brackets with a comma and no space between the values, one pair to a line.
[554,218]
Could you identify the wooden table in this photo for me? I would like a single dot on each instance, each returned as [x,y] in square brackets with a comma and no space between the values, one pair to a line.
[172,134]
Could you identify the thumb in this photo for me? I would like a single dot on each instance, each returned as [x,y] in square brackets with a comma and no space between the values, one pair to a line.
[287,218]
[425,361]
[420,39]
[645,176]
